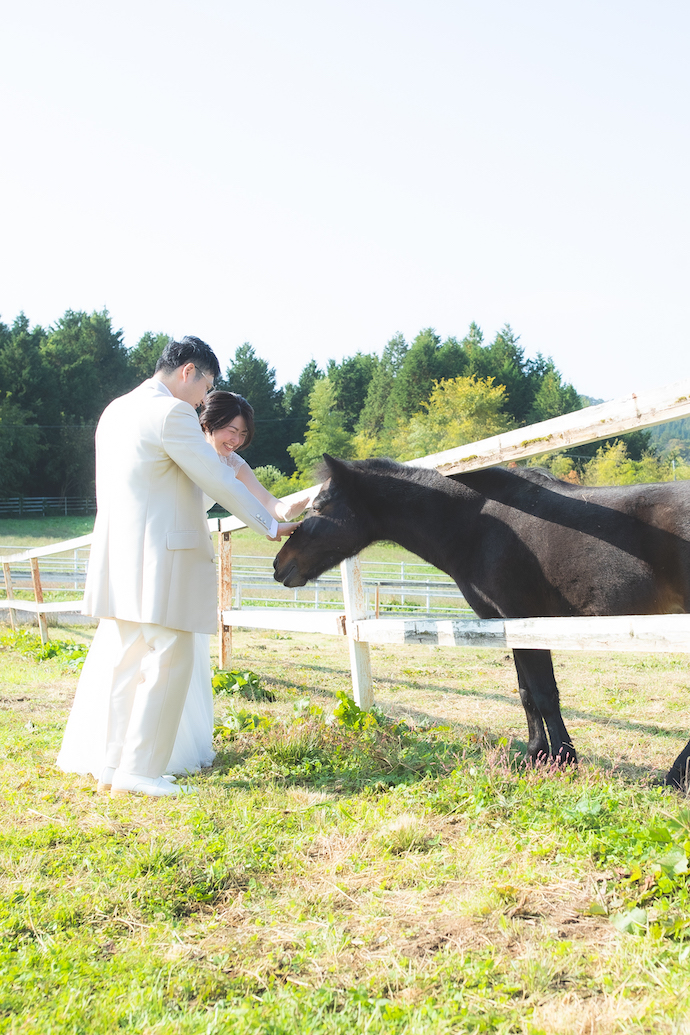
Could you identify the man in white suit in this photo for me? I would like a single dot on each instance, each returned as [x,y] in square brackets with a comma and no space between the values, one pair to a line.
[152,561]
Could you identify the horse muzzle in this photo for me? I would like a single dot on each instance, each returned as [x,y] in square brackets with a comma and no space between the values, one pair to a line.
[289,574]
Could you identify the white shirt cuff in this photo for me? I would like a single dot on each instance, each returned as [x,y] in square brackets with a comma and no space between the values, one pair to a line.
[273,530]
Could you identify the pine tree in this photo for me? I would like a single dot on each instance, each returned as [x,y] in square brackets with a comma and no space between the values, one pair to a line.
[296,402]
[146,353]
[375,414]
[326,432]
[251,377]
[351,380]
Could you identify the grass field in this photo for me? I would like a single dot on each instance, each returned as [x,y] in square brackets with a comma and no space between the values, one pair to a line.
[406,876]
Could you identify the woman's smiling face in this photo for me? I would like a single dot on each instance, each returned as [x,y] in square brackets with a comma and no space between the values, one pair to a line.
[233,436]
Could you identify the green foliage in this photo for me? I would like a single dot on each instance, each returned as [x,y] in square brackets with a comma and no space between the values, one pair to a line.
[146,353]
[246,684]
[425,362]
[249,375]
[270,476]
[296,402]
[348,714]
[552,398]
[375,414]
[62,379]
[653,893]
[325,433]
[29,645]
[350,748]
[242,721]
[463,409]
[351,380]
[20,447]
[55,382]
[612,465]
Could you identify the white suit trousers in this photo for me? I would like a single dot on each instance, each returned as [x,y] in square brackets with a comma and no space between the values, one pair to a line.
[150,681]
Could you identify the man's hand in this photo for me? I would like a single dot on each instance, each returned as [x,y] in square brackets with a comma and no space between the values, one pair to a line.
[284,528]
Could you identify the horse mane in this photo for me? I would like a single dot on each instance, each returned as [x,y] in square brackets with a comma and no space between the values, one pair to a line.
[421,475]
[427,477]
[538,475]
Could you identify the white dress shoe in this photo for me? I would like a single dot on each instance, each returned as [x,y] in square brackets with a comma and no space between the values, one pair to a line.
[153,786]
[105,780]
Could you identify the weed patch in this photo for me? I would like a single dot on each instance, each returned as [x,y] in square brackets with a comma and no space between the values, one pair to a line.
[29,645]
[246,684]
[348,750]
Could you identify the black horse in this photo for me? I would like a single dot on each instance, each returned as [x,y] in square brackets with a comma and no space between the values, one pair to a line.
[519,543]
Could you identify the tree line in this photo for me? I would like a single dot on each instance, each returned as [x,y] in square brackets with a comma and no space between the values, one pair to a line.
[413,399]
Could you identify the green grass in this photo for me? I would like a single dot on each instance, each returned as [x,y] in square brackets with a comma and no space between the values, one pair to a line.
[401,874]
[39,531]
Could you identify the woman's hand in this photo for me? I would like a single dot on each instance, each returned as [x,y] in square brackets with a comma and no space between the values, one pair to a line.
[284,528]
[289,511]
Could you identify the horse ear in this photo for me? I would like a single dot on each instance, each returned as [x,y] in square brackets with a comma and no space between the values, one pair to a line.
[339,470]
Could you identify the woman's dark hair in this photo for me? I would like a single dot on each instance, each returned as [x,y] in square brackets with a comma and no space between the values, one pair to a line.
[222,407]
[189,350]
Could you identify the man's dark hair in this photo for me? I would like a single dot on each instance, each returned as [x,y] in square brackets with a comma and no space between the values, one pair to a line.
[222,407]
[189,350]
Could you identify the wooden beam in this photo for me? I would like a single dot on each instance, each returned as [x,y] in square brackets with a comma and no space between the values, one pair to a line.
[38,594]
[224,598]
[48,551]
[69,607]
[593,424]
[325,623]
[355,610]
[10,593]
[647,633]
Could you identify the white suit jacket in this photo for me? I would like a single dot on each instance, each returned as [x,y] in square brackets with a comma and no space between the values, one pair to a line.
[152,554]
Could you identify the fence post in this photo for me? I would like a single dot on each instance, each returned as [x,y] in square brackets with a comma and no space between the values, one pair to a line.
[355,609]
[10,594]
[38,594]
[224,598]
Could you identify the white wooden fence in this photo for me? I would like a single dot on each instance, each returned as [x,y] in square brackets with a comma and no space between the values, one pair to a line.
[632,633]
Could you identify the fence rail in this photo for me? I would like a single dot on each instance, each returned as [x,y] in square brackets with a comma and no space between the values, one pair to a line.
[389,586]
[46,506]
[628,633]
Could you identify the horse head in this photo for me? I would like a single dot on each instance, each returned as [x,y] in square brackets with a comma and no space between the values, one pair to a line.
[333,529]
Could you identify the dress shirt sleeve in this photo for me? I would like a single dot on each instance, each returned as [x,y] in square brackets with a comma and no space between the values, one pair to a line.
[184,442]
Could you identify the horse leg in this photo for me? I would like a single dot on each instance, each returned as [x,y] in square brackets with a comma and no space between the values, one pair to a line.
[539,695]
[538,745]
[679,774]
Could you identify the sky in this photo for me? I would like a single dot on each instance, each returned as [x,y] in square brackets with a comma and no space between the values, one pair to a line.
[315,176]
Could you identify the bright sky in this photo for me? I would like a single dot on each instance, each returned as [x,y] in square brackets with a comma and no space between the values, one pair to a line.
[313,176]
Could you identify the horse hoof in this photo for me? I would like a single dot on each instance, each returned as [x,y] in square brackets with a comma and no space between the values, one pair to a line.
[537,755]
[676,780]
[567,756]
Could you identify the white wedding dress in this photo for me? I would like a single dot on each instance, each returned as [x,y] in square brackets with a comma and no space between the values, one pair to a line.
[84,742]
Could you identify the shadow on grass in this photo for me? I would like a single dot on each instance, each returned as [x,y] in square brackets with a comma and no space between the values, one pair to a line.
[653,729]
[603,763]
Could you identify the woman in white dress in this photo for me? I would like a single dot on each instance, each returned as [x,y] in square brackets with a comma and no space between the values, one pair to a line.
[228,423]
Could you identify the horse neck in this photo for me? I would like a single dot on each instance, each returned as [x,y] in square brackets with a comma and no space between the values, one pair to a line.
[406,513]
